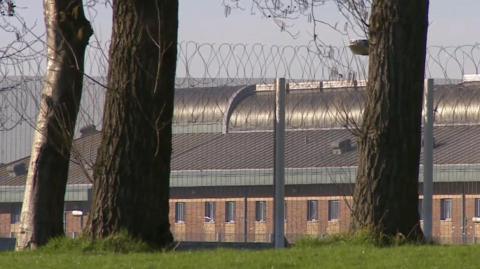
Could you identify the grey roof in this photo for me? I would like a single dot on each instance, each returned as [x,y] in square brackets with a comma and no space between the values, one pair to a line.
[83,156]
[329,108]
[232,109]
[457,104]
[305,109]
[312,148]
[313,119]
[202,105]
[254,151]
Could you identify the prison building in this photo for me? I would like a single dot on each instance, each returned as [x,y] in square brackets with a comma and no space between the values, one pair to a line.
[222,164]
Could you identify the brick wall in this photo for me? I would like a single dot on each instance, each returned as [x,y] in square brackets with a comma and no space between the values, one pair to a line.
[197,228]
[5,224]
[194,228]
[74,224]
[297,225]
[7,211]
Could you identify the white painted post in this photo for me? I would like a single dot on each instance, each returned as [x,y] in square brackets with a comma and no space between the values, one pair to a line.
[428,160]
[279,164]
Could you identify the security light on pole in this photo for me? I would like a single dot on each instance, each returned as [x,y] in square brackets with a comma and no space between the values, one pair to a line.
[359,47]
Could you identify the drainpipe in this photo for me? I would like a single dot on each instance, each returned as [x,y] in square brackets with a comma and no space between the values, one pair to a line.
[279,164]
[428,160]
[245,218]
[464,215]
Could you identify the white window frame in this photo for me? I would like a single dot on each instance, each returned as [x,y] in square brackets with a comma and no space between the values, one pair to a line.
[260,211]
[331,216]
[477,208]
[446,209]
[230,206]
[210,208]
[180,212]
[312,210]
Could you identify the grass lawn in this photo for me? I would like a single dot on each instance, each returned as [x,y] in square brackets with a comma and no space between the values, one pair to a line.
[308,255]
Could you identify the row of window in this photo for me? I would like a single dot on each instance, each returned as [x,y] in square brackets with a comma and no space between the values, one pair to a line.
[312,210]
[333,210]
[446,208]
[209,211]
[260,211]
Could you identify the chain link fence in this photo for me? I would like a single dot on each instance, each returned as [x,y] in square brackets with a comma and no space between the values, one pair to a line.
[223,145]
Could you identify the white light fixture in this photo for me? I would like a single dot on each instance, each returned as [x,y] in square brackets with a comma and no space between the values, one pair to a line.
[471,77]
[359,47]
[77,213]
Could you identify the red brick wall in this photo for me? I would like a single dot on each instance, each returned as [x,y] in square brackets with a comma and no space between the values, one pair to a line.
[195,228]
[297,226]
[5,225]
[74,224]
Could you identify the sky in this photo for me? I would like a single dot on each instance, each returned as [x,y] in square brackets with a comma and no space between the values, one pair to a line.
[204,21]
[451,23]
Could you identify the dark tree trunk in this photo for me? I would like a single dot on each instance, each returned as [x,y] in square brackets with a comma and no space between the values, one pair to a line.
[131,178]
[68,32]
[386,192]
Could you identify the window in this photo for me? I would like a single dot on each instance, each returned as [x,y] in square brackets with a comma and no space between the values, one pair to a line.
[230,211]
[179,212]
[420,209]
[445,209]
[261,211]
[312,210]
[15,215]
[209,211]
[64,219]
[477,208]
[333,209]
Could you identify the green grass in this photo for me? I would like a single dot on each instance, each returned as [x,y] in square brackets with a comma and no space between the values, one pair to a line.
[339,252]
[118,243]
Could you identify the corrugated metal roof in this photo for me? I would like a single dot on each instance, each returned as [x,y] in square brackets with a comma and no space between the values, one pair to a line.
[202,105]
[328,108]
[253,151]
[305,109]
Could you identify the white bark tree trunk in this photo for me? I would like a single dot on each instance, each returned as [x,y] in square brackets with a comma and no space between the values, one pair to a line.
[68,32]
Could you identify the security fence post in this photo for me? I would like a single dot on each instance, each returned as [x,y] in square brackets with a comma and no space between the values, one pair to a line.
[428,160]
[279,163]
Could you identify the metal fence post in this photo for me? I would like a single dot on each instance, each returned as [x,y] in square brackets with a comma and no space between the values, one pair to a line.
[279,163]
[245,220]
[428,160]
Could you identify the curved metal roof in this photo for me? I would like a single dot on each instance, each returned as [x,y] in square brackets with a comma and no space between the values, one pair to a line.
[457,104]
[245,109]
[336,108]
[305,109]
[202,105]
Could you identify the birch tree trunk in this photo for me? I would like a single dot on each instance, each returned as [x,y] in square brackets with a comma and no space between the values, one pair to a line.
[131,178]
[68,32]
[386,191]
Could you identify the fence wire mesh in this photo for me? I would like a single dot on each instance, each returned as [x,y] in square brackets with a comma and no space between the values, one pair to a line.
[222,162]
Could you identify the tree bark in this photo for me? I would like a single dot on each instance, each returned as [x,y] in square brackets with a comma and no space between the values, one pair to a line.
[386,192]
[131,177]
[68,32]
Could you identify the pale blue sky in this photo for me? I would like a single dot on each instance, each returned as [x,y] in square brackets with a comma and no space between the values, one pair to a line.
[452,23]
[204,21]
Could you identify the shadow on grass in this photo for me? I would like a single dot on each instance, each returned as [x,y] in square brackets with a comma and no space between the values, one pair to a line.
[124,243]
[365,238]
[118,243]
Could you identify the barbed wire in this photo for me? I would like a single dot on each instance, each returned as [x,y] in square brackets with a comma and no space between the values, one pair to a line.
[219,110]
[452,62]
[205,65]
